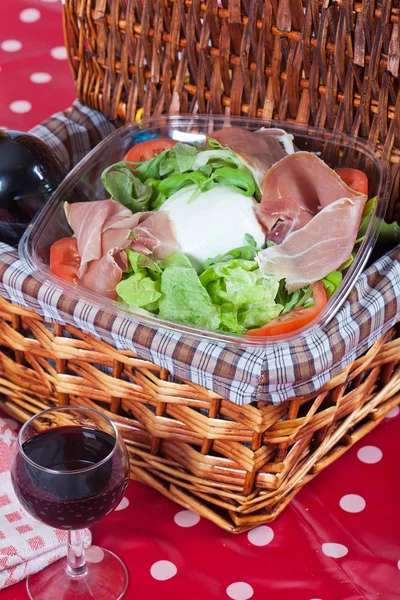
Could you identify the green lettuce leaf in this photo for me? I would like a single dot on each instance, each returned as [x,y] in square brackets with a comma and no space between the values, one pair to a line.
[219,156]
[216,157]
[165,188]
[241,179]
[183,297]
[247,252]
[139,291]
[147,185]
[140,286]
[178,159]
[289,301]
[245,297]
[331,282]
[256,315]
[366,217]
[123,186]
[185,157]
[174,183]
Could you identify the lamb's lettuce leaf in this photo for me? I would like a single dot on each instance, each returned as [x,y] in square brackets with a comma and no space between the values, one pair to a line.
[241,179]
[178,159]
[297,299]
[247,252]
[123,186]
[147,185]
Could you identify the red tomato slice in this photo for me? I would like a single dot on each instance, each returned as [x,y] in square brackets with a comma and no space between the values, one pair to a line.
[65,259]
[148,149]
[296,318]
[354,178]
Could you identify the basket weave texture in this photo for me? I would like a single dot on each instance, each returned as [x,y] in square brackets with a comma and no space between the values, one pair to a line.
[237,466]
[332,64]
[329,64]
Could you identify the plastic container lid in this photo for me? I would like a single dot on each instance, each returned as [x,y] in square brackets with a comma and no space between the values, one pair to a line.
[83,183]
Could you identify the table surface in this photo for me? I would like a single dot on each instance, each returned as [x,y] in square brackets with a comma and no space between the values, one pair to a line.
[340,537]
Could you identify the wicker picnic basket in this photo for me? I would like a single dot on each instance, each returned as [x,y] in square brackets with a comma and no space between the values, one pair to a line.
[331,64]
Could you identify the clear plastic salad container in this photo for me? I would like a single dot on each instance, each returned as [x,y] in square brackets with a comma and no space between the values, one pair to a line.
[84,183]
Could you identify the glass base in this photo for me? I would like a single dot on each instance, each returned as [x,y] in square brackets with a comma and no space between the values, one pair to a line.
[106,579]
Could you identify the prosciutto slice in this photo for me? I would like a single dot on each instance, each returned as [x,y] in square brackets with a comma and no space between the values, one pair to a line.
[283,216]
[103,232]
[155,234]
[103,275]
[297,188]
[318,248]
[258,150]
[99,227]
[282,136]
[312,215]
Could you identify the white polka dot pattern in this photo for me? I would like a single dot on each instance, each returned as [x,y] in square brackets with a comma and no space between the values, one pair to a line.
[11,45]
[94,554]
[260,536]
[30,15]
[186,518]
[40,77]
[239,591]
[352,503]
[334,550]
[20,106]
[163,570]
[369,454]
[393,413]
[59,53]
[123,504]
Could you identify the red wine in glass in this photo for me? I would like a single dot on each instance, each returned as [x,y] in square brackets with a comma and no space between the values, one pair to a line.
[70,469]
[85,496]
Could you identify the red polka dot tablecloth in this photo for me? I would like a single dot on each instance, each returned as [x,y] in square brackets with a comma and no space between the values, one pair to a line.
[35,79]
[338,540]
[340,537]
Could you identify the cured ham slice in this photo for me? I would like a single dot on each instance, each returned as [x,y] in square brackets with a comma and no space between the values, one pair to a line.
[103,275]
[296,188]
[155,232]
[98,228]
[284,138]
[258,150]
[283,216]
[318,248]
[104,230]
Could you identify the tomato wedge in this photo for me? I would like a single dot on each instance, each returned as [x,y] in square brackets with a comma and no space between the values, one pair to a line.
[65,259]
[148,149]
[354,178]
[296,318]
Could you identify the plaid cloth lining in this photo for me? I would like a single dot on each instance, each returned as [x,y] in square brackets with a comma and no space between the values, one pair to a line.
[272,374]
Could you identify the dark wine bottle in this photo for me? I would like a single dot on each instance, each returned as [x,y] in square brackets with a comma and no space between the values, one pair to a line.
[29,174]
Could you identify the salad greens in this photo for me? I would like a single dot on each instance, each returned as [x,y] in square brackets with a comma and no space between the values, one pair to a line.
[183,296]
[244,295]
[141,283]
[122,185]
[228,292]
[147,185]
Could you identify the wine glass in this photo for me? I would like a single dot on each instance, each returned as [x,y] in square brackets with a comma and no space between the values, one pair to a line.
[70,469]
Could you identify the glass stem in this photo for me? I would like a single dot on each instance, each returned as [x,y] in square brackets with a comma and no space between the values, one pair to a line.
[76,564]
